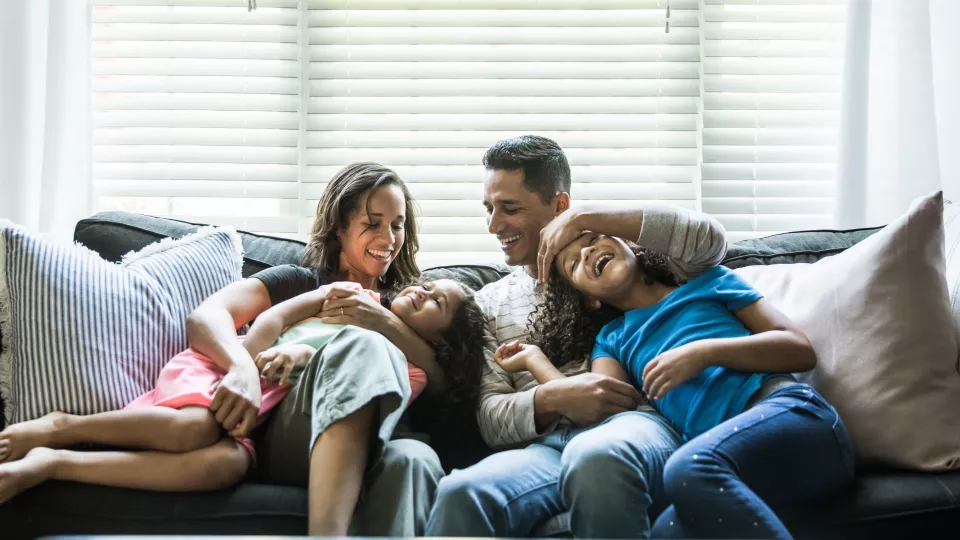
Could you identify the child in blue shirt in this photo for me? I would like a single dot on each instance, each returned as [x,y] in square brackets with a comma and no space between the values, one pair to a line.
[714,358]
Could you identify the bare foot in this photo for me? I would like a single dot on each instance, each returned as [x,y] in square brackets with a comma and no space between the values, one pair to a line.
[19,476]
[18,439]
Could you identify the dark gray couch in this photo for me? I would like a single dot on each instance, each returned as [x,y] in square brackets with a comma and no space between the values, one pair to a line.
[882,504]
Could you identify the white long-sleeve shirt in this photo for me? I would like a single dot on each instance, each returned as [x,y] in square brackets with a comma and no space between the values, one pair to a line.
[691,241]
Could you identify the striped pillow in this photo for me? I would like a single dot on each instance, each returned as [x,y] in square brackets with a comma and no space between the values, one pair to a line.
[84,335]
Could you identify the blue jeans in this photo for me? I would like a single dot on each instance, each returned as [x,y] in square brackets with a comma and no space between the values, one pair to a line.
[608,476]
[736,480]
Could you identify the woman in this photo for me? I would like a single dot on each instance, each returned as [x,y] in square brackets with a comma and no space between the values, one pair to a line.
[365,231]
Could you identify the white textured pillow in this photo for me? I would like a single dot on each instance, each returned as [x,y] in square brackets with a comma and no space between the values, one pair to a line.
[84,335]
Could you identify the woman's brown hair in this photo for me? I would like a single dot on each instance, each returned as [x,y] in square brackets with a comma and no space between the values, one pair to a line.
[341,198]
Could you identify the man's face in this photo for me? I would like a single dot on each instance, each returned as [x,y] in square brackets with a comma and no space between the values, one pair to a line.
[515,216]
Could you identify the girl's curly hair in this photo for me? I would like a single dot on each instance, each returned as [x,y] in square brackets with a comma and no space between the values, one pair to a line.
[460,349]
[564,326]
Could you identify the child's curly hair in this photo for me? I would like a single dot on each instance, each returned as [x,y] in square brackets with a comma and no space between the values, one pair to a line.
[460,349]
[564,326]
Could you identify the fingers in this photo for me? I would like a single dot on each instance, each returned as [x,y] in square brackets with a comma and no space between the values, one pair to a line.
[226,406]
[247,424]
[615,399]
[264,358]
[623,388]
[218,397]
[272,369]
[231,421]
[654,384]
[334,319]
[334,289]
[287,371]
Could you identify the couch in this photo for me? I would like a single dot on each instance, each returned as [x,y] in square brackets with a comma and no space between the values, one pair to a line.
[881,504]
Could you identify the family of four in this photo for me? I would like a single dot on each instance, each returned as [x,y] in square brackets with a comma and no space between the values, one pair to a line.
[627,378]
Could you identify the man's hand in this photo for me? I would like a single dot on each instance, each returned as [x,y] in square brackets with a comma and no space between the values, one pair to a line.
[589,398]
[236,401]
[673,368]
[516,357]
[553,238]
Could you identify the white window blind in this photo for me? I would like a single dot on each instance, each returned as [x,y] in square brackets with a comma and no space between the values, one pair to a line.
[426,86]
[196,110]
[771,81]
[210,113]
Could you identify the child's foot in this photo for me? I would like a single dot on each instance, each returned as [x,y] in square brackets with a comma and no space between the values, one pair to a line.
[18,439]
[19,476]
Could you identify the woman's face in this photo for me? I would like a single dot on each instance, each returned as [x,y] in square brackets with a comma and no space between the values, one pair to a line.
[372,241]
[601,267]
[428,309]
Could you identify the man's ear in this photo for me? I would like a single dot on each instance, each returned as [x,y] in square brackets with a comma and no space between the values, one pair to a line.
[561,202]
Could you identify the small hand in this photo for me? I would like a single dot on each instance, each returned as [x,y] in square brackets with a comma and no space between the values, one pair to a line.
[673,368]
[358,308]
[236,401]
[283,358]
[553,238]
[514,357]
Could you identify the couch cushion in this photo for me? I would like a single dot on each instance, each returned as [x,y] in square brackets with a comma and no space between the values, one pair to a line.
[793,247]
[114,234]
[58,508]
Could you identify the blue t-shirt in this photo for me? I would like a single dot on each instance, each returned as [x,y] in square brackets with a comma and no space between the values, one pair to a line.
[702,308]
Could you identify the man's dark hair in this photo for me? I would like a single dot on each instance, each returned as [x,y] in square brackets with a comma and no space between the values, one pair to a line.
[545,168]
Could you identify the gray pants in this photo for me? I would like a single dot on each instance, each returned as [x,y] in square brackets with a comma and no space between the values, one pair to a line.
[355,368]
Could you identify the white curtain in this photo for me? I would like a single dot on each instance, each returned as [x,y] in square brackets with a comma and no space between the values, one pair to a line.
[44,114]
[900,135]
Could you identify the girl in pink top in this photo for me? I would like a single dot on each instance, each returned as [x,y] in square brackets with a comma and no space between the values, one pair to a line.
[174,418]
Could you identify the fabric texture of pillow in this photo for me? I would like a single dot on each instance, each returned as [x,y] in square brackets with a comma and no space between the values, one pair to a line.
[84,335]
[879,317]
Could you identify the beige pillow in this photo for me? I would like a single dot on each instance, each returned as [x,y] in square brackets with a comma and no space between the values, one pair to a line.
[879,317]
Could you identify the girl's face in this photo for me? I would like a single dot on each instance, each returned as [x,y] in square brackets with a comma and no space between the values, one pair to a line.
[601,267]
[372,241]
[428,308]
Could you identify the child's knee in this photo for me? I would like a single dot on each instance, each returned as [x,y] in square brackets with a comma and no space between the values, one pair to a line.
[195,428]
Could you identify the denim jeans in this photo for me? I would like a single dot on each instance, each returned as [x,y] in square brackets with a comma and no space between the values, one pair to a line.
[608,476]
[738,479]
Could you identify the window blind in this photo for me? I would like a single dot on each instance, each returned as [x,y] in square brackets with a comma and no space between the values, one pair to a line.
[196,110]
[426,86]
[771,94]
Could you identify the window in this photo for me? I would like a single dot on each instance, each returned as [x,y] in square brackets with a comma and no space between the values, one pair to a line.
[206,112]
[771,81]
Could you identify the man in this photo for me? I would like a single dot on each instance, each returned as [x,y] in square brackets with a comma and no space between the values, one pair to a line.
[589,448]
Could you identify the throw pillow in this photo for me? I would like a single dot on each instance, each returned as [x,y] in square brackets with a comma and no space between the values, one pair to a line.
[878,315]
[83,335]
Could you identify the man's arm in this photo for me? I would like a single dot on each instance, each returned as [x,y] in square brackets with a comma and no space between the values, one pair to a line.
[692,242]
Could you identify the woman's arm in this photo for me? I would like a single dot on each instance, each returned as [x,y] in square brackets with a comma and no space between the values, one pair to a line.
[776,344]
[212,326]
[212,331]
[611,368]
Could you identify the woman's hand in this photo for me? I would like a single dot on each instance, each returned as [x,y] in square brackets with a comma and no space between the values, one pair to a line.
[285,359]
[553,238]
[236,400]
[347,306]
[673,368]
[516,357]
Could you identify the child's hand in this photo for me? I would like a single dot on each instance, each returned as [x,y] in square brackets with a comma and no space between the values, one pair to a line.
[514,357]
[673,368]
[283,358]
